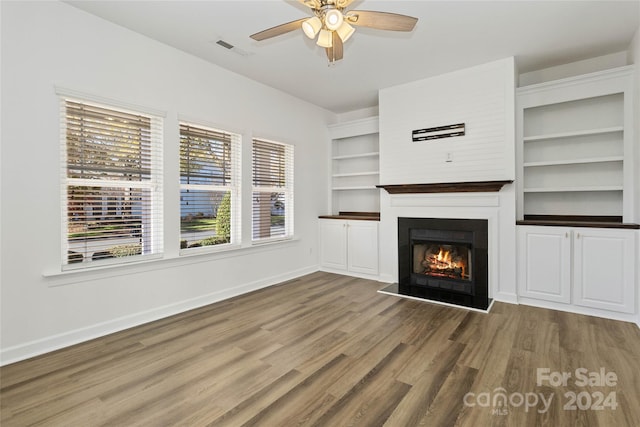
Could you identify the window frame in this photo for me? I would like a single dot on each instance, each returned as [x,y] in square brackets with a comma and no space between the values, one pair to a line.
[152,246]
[287,188]
[234,188]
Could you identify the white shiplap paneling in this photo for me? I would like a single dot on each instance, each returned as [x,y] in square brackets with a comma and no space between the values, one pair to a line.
[481,97]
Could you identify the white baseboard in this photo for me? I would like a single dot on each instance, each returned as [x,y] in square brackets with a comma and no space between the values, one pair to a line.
[388,278]
[352,274]
[66,339]
[505,297]
[587,311]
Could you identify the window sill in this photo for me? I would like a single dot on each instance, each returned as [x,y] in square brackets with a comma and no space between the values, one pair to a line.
[67,277]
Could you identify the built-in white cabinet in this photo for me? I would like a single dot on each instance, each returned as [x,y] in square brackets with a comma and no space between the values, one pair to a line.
[604,269]
[544,263]
[588,267]
[349,246]
[355,166]
[333,244]
[575,148]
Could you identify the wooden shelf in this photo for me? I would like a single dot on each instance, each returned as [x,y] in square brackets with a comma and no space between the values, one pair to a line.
[356,156]
[575,161]
[577,221]
[449,187]
[360,216]
[573,189]
[574,133]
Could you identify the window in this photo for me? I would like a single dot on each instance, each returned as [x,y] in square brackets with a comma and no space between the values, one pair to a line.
[272,190]
[209,187]
[112,174]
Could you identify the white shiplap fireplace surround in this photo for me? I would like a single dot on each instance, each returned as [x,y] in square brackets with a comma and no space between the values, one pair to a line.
[482,98]
[495,207]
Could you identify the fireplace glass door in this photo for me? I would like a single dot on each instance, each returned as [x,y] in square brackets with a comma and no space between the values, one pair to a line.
[442,260]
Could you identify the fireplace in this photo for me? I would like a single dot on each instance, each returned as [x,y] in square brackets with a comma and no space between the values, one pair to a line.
[444,260]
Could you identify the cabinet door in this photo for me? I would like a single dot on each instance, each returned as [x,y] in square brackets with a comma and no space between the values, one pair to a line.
[333,243]
[362,246]
[604,269]
[544,263]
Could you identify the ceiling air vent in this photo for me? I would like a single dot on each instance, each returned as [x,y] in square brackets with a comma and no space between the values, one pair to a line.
[225,44]
[232,48]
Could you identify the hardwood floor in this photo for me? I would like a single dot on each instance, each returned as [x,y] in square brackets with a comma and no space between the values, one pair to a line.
[328,350]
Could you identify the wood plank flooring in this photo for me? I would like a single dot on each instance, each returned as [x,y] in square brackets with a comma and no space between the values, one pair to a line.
[328,350]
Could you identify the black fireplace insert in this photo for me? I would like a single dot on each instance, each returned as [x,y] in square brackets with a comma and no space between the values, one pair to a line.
[444,260]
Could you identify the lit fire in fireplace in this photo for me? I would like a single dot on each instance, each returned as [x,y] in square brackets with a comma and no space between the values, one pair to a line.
[448,261]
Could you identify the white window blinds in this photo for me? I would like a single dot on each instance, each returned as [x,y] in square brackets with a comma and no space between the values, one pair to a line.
[272,192]
[112,175]
[209,187]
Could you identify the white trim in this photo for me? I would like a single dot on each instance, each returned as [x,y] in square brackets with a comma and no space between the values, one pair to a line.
[207,124]
[271,240]
[206,187]
[358,127]
[506,297]
[571,308]
[91,98]
[153,240]
[353,274]
[67,277]
[595,77]
[288,190]
[55,342]
[445,200]
[386,278]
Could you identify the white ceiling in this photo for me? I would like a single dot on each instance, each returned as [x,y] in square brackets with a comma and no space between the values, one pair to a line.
[449,35]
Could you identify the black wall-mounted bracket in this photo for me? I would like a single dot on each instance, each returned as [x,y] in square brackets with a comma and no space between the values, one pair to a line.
[438,132]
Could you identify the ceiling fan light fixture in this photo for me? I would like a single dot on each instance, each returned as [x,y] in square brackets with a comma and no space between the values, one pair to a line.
[333,19]
[345,31]
[311,27]
[325,38]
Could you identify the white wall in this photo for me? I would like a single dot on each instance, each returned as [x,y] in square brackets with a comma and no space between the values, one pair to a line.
[47,44]
[483,98]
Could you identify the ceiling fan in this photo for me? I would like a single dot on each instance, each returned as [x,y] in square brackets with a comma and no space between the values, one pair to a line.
[334,26]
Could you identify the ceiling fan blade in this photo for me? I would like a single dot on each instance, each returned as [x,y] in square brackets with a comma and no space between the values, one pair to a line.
[335,52]
[381,20]
[313,4]
[278,30]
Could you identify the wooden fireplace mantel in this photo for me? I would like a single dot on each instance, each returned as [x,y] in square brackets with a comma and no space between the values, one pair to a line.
[448,187]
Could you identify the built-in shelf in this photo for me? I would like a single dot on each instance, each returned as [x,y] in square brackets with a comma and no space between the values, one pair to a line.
[573,146]
[342,175]
[573,133]
[355,187]
[356,156]
[573,189]
[355,165]
[575,161]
